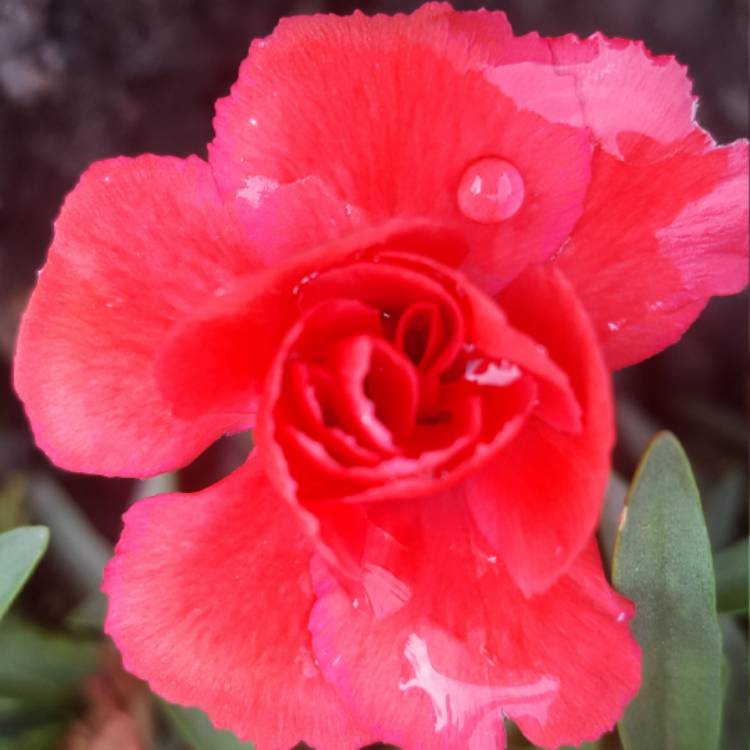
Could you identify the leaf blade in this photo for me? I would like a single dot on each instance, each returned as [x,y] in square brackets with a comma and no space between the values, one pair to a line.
[663,563]
[731,569]
[196,729]
[21,549]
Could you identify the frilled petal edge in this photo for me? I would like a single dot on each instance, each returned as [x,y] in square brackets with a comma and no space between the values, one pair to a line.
[209,598]
[137,244]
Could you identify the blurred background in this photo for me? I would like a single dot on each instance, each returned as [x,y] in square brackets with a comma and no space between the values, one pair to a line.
[82,80]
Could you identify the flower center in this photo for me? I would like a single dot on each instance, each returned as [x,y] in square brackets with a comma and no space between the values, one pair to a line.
[397,375]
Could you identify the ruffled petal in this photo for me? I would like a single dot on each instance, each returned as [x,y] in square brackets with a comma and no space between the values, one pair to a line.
[439,645]
[209,597]
[624,88]
[656,241]
[231,339]
[346,101]
[138,243]
[537,503]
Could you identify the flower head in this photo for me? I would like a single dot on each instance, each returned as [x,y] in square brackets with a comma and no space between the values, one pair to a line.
[419,246]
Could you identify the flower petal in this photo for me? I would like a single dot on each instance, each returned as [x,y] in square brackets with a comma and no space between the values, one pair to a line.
[624,89]
[231,339]
[537,503]
[138,243]
[656,241]
[209,596]
[345,100]
[440,645]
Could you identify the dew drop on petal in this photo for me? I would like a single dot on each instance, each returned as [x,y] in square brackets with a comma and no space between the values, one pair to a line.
[484,371]
[491,190]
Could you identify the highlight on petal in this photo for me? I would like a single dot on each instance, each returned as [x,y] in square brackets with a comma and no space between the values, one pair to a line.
[138,243]
[209,597]
[438,646]
[346,101]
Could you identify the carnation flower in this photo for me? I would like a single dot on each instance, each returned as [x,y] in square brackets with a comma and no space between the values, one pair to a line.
[418,248]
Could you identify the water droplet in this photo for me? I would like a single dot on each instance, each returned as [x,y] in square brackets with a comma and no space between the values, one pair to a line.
[486,372]
[307,664]
[490,190]
[107,178]
[621,617]
[253,121]
[304,281]
[386,593]
[654,306]
[615,325]
[255,188]
[461,707]
[492,559]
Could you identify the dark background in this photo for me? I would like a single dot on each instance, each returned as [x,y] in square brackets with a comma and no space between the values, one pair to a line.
[82,80]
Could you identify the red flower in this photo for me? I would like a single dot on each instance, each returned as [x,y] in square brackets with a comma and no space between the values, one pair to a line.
[418,247]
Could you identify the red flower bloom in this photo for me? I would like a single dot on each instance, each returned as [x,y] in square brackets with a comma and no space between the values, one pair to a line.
[417,249]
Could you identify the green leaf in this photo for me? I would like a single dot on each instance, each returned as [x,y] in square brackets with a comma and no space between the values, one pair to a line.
[42,667]
[663,563]
[196,729]
[45,736]
[77,548]
[89,614]
[735,733]
[731,570]
[12,503]
[20,551]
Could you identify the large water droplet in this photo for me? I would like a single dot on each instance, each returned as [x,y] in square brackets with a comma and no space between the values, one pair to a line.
[490,190]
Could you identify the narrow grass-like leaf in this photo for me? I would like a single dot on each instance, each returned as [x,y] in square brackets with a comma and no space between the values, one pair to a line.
[735,734]
[196,729]
[731,569]
[663,563]
[77,548]
[21,550]
[42,667]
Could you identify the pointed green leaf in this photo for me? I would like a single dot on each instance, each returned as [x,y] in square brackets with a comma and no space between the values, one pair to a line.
[735,733]
[663,563]
[21,550]
[12,502]
[43,667]
[731,568]
[196,729]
